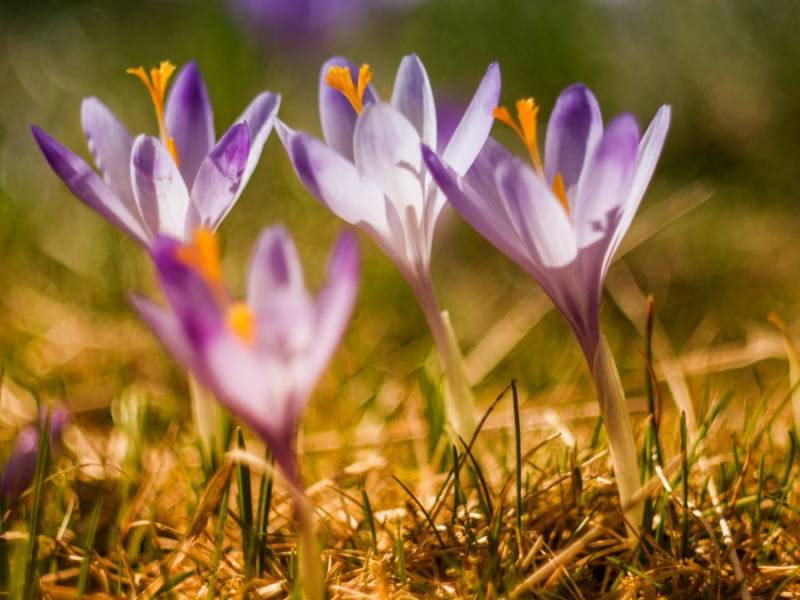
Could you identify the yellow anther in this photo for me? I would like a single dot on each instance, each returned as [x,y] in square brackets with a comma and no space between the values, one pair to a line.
[524,127]
[560,192]
[156,86]
[202,255]
[340,79]
[242,321]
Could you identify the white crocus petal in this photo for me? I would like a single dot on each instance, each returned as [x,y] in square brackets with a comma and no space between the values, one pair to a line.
[335,182]
[605,182]
[536,215]
[474,127]
[260,117]
[412,96]
[158,187]
[388,153]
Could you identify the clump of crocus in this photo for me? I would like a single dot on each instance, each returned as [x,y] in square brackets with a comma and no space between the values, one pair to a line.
[370,173]
[20,468]
[261,357]
[172,183]
[562,219]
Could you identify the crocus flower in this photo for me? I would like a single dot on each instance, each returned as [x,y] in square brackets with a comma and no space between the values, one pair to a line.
[176,182]
[19,470]
[563,218]
[370,172]
[261,357]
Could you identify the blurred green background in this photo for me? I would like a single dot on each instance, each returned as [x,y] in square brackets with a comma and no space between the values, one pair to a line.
[731,71]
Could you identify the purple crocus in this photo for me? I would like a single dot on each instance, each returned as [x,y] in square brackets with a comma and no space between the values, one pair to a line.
[370,172]
[261,357]
[19,470]
[563,218]
[176,182]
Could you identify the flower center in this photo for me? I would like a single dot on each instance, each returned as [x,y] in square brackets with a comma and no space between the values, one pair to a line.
[525,127]
[340,79]
[202,256]
[242,321]
[156,85]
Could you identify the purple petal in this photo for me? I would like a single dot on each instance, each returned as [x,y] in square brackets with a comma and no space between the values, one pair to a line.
[159,188]
[605,182]
[484,211]
[536,215]
[334,304]
[260,117]
[335,112]
[471,133]
[19,471]
[573,131]
[334,181]
[89,187]
[110,145]
[387,152]
[647,155]
[274,268]
[219,178]
[168,330]
[189,120]
[412,96]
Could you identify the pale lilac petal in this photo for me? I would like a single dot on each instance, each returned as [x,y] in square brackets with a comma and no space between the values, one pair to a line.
[110,145]
[471,133]
[159,188]
[89,187]
[536,215]
[219,179]
[605,182]
[334,181]
[484,211]
[274,268]
[574,128]
[260,117]
[334,304]
[168,330]
[190,120]
[337,116]
[412,96]
[387,152]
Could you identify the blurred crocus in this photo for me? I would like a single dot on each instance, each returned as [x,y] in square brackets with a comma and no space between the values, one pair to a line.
[563,218]
[19,470]
[176,182]
[370,172]
[261,357]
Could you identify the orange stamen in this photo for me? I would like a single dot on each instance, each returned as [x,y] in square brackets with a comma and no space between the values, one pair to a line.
[156,86]
[242,322]
[340,79]
[524,127]
[202,254]
[560,192]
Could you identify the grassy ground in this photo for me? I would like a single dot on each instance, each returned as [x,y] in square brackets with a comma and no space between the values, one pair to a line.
[124,508]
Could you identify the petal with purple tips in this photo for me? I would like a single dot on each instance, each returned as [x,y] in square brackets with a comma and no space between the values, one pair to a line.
[471,133]
[412,96]
[260,117]
[159,188]
[168,330]
[219,179]
[89,187]
[190,120]
[110,145]
[574,128]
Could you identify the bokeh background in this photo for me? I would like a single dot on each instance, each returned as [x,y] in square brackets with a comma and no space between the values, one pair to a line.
[718,227]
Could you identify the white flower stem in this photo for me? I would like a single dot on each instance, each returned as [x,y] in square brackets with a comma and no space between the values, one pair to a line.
[458,398]
[622,445]
[212,425]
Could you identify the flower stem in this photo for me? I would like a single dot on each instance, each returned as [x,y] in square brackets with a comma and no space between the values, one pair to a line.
[622,445]
[459,402]
[311,575]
